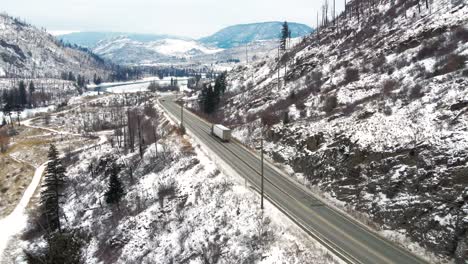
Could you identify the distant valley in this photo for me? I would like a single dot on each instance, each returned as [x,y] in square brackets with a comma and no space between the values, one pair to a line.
[234,43]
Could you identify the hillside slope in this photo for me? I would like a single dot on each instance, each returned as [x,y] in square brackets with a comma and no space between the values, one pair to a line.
[177,207]
[28,52]
[125,50]
[91,39]
[241,34]
[373,112]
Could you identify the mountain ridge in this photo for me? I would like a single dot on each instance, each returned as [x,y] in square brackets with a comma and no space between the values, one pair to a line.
[26,51]
[134,48]
[240,34]
[91,38]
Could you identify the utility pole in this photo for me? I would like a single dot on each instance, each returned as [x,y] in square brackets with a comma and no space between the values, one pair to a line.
[279,84]
[261,146]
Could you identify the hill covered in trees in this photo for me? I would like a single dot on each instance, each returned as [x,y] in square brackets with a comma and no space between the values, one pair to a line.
[246,33]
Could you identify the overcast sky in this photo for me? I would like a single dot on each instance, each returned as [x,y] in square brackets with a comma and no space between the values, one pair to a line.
[192,18]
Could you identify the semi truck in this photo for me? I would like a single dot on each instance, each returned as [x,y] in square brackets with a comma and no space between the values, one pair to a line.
[221,132]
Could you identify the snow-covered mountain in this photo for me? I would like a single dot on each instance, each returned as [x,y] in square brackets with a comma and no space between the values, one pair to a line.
[91,39]
[246,33]
[372,113]
[26,51]
[226,45]
[124,50]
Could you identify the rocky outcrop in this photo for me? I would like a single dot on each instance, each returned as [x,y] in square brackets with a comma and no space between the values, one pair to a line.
[421,190]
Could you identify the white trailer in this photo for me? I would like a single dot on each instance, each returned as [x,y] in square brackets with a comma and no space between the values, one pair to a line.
[221,132]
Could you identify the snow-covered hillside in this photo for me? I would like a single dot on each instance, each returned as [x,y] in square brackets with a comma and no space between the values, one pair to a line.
[373,112]
[178,207]
[227,45]
[28,52]
[125,50]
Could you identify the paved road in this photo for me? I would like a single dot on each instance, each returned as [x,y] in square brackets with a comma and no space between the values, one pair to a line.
[343,236]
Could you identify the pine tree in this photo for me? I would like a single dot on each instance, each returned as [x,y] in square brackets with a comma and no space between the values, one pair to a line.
[115,190]
[22,100]
[54,181]
[7,112]
[31,89]
[220,84]
[208,99]
[284,35]
[71,77]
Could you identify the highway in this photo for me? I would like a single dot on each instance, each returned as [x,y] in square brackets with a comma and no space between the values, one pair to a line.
[347,239]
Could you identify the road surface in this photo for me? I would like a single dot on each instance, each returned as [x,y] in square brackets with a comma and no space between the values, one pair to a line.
[349,240]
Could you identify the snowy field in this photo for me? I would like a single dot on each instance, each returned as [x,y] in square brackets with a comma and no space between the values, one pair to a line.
[28,113]
[141,85]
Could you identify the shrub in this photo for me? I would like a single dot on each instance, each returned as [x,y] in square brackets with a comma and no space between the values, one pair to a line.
[300,105]
[419,71]
[401,62]
[389,85]
[378,62]
[330,104]
[449,64]
[349,109]
[250,85]
[460,34]
[438,47]
[63,248]
[314,81]
[429,48]
[167,189]
[387,110]
[416,92]
[250,118]
[351,75]
[270,119]
[465,73]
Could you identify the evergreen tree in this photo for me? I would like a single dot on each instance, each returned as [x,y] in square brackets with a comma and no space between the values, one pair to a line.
[7,111]
[210,96]
[71,77]
[5,96]
[284,35]
[98,81]
[23,99]
[220,84]
[60,248]
[54,181]
[208,99]
[31,91]
[115,190]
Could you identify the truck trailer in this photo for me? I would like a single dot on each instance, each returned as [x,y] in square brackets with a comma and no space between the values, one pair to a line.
[221,132]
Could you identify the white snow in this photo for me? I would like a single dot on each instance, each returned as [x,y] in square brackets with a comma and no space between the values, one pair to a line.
[177,46]
[17,220]
[61,32]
